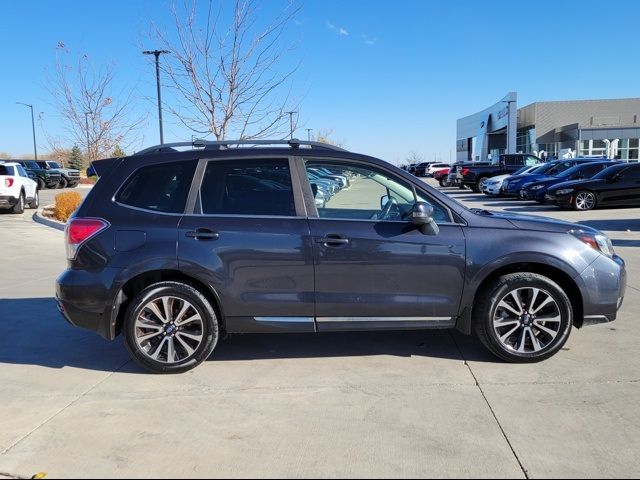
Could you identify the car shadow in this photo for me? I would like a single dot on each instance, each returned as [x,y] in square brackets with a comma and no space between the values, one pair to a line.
[34,333]
[614,225]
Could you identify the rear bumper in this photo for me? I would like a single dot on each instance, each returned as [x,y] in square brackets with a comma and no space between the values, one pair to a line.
[85,299]
[604,288]
[8,201]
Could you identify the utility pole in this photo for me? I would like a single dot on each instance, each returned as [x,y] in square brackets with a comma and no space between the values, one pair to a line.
[157,54]
[309,134]
[33,128]
[291,123]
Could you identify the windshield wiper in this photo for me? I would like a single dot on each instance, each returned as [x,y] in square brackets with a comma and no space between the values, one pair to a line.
[480,211]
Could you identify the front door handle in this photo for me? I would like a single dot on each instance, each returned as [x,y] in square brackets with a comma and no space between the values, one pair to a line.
[203,234]
[333,240]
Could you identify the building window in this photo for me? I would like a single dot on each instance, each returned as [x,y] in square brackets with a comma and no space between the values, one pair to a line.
[526,140]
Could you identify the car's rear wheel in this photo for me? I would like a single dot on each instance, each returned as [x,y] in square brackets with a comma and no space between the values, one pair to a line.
[443,182]
[19,206]
[585,200]
[170,327]
[35,203]
[523,317]
[41,184]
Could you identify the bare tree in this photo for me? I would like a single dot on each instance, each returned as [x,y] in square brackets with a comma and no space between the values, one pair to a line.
[94,115]
[325,135]
[224,69]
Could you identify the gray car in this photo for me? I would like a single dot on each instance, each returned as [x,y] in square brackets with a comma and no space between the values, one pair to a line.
[213,249]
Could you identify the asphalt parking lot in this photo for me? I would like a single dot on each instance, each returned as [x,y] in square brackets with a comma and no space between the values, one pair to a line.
[416,404]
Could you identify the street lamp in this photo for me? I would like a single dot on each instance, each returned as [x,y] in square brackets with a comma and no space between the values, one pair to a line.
[33,128]
[157,54]
[309,134]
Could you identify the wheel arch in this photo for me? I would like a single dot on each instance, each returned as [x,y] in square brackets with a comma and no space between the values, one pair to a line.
[553,272]
[139,282]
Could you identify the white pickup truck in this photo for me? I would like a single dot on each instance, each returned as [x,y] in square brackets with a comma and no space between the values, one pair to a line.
[16,188]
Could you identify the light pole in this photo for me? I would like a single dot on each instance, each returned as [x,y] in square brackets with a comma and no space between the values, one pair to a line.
[157,54]
[291,123]
[309,134]
[33,128]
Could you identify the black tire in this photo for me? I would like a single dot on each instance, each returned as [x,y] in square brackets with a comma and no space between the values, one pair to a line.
[41,184]
[210,326]
[479,185]
[443,182]
[63,183]
[584,200]
[19,207]
[35,203]
[489,301]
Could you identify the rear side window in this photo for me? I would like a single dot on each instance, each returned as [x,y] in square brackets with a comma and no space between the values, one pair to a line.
[251,187]
[159,188]
[6,170]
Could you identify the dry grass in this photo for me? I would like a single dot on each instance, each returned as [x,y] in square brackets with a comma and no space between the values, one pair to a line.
[66,204]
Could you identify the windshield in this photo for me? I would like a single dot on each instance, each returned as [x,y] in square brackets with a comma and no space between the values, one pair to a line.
[544,168]
[523,170]
[31,164]
[53,165]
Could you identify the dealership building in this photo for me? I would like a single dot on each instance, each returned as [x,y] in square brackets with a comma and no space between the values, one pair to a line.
[580,128]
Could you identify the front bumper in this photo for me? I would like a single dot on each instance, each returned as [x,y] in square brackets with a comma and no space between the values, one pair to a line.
[565,201]
[491,189]
[604,287]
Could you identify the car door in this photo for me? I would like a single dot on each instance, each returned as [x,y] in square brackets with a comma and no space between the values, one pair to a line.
[29,185]
[248,238]
[624,189]
[373,268]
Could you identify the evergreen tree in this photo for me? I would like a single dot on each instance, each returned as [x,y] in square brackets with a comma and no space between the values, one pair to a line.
[118,152]
[76,159]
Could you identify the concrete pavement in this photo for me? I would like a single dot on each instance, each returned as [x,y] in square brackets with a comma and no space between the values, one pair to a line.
[412,404]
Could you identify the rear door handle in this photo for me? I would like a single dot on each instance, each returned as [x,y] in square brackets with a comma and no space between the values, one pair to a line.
[203,234]
[333,240]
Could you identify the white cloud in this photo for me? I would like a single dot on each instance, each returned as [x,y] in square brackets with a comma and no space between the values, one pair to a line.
[330,25]
[368,40]
[343,32]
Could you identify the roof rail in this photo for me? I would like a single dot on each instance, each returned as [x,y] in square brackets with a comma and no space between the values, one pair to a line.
[224,144]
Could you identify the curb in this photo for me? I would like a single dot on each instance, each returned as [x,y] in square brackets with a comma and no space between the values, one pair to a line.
[39,218]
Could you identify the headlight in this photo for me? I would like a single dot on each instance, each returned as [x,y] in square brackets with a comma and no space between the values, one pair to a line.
[537,187]
[599,241]
[564,191]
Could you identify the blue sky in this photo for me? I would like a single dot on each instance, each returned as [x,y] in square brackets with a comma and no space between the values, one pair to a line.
[388,78]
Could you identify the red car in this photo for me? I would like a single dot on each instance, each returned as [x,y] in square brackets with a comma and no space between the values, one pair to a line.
[441,176]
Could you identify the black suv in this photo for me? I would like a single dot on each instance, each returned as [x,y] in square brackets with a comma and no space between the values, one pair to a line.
[174,249]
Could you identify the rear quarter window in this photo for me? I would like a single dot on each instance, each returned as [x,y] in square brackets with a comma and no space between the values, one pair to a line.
[7,170]
[159,188]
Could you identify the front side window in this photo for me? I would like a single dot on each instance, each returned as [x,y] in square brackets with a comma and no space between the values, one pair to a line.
[22,172]
[355,192]
[160,188]
[248,187]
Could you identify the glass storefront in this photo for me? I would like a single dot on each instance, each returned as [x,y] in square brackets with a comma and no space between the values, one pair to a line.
[628,149]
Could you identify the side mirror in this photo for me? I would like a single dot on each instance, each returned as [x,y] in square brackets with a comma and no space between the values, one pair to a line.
[422,217]
[383,201]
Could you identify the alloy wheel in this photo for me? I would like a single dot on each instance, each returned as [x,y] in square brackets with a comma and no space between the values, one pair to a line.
[527,320]
[585,201]
[169,330]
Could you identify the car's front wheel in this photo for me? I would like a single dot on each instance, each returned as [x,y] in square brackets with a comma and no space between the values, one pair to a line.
[170,327]
[523,317]
[585,200]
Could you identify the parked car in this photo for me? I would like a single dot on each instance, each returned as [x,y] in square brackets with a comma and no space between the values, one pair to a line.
[455,173]
[493,185]
[618,185]
[512,186]
[436,167]
[474,174]
[16,188]
[177,267]
[70,178]
[537,190]
[421,169]
[441,176]
[45,178]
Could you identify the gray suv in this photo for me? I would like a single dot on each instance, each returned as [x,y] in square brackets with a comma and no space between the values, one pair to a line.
[174,249]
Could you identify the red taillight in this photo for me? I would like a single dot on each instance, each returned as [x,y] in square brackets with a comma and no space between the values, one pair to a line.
[464,172]
[79,230]
[8,182]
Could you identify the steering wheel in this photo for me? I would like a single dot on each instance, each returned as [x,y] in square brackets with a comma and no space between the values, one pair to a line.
[386,211]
